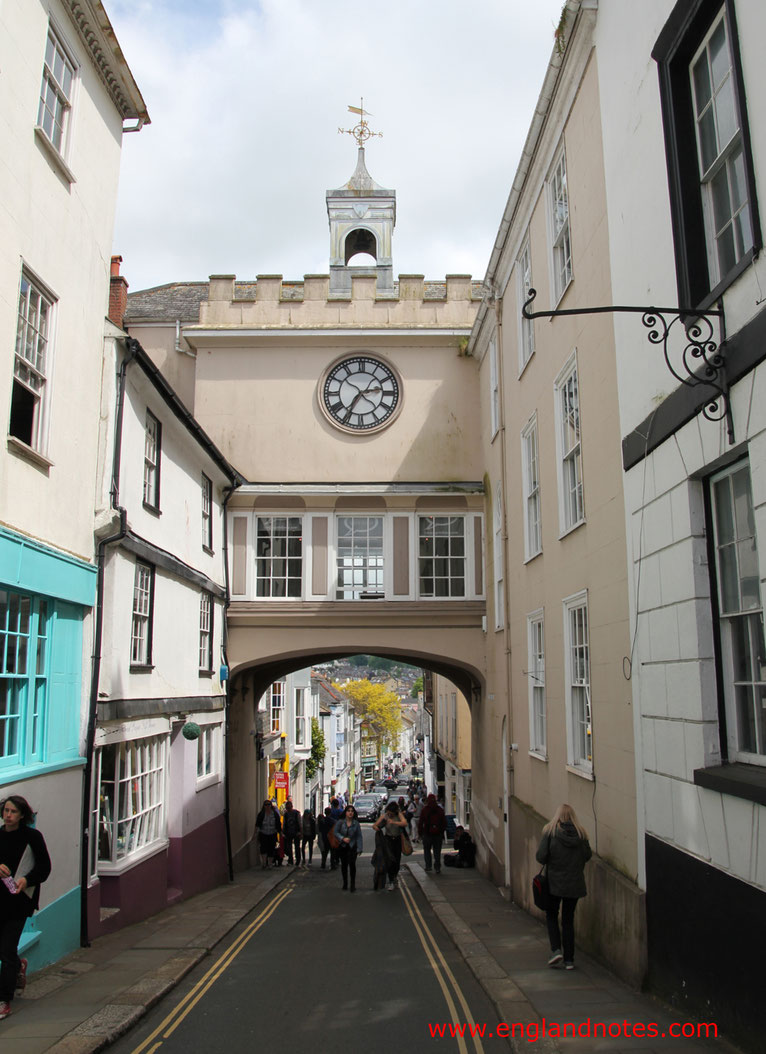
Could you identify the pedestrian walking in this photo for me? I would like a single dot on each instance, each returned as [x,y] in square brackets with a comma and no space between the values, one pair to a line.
[431,827]
[325,824]
[348,831]
[389,825]
[24,865]
[564,849]
[308,834]
[268,827]
[336,811]
[293,830]
[419,804]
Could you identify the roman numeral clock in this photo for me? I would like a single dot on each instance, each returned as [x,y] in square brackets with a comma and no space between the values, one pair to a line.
[360,394]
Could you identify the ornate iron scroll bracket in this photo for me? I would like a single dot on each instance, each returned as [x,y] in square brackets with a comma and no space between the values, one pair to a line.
[702,361]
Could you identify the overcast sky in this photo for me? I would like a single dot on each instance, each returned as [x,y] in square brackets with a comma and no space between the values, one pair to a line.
[246,98]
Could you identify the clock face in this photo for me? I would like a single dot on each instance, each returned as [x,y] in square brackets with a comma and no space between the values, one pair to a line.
[360,393]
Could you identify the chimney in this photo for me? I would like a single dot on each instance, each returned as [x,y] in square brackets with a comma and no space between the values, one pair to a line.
[118,293]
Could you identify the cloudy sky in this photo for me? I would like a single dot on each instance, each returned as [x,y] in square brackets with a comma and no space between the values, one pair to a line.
[246,98]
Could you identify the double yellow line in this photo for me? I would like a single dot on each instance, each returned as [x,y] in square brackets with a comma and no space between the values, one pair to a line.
[441,969]
[187,1004]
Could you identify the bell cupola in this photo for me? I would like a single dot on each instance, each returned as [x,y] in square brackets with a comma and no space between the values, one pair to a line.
[362,216]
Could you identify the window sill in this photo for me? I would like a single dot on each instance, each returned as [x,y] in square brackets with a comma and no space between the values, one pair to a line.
[153,509]
[54,155]
[585,774]
[141,668]
[523,367]
[208,781]
[206,673]
[34,457]
[130,861]
[209,550]
[737,780]
[728,279]
[568,530]
[540,757]
[533,556]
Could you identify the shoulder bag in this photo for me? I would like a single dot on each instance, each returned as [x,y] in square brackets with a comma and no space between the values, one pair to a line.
[540,891]
[406,844]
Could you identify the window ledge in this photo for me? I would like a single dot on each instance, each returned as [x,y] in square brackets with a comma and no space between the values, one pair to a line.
[209,550]
[17,446]
[533,556]
[538,755]
[206,673]
[585,774]
[738,780]
[130,861]
[523,369]
[54,155]
[211,780]
[569,530]
[141,667]
[153,509]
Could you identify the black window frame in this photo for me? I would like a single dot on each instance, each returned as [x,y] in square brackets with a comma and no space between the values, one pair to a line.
[207,669]
[207,527]
[673,52]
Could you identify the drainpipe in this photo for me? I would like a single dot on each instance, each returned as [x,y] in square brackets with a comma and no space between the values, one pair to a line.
[114,496]
[227,704]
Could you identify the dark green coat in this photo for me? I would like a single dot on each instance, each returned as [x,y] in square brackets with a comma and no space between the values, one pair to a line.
[566,854]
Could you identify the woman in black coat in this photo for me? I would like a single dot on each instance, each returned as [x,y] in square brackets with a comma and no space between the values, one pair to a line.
[564,848]
[24,865]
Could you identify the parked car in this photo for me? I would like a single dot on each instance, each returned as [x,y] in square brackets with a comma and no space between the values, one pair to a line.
[367,807]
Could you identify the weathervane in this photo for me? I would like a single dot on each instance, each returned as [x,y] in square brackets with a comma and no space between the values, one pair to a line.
[361,132]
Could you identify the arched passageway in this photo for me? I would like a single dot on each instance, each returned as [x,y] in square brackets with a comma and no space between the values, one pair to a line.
[253,670]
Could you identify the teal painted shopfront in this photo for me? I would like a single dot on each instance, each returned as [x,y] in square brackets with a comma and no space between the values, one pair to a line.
[45,597]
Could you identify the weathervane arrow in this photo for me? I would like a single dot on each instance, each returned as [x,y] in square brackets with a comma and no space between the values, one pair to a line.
[361,131]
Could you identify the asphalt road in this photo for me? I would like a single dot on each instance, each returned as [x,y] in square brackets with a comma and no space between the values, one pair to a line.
[318,969]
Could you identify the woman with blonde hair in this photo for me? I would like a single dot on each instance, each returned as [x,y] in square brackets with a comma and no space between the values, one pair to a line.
[565,850]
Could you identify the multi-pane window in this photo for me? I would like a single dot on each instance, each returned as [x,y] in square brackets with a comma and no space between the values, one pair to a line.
[577,664]
[524,276]
[24,633]
[536,674]
[152,453]
[441,556]
[207,512]
[572,509]
[141,626]
[723,178]
[31,364]
[208,752]
[130,814]
[711,175]
[205,633]
[494,388]
[301,737]
[279,556]
[561,242]
[359,556]
[740,614]
[277,706]
[56,92]
[533,536]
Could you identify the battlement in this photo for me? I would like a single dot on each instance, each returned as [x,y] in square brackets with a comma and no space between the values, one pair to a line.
[270,300]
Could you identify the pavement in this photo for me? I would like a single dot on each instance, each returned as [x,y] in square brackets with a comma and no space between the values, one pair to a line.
[87,1000]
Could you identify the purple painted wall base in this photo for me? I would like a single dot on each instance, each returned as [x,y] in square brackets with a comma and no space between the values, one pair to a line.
[189,865]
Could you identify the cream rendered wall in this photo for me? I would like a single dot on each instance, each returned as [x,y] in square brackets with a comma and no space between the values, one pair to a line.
[258,399]
[63,233]
[591,557]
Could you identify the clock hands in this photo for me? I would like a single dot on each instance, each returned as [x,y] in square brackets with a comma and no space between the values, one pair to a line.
[360,394]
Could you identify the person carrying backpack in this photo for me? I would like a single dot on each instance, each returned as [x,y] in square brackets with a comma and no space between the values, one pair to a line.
[431,827]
